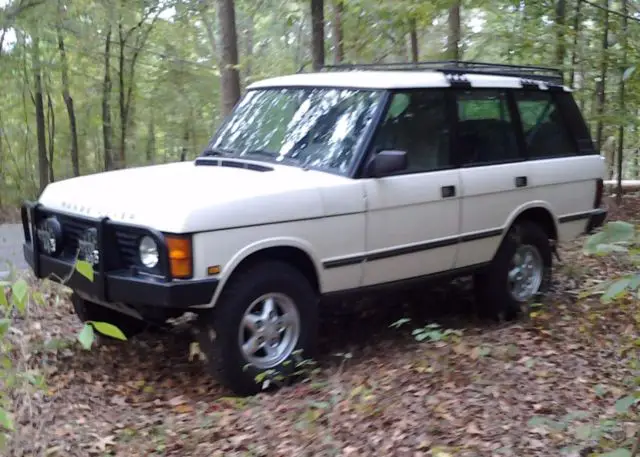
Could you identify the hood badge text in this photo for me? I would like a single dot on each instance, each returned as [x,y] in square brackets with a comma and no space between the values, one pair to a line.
[96,212]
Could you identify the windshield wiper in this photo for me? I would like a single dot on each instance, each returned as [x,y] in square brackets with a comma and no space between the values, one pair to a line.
[261,152]
[216,152]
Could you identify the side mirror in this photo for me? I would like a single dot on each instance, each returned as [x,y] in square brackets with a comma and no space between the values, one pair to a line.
[387,162]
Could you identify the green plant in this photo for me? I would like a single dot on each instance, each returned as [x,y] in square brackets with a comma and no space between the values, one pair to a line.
[620,239]
[430,332]
[304,368]
[16,298]
[434,332]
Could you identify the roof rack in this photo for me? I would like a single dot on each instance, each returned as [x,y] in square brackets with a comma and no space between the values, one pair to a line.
[546,74]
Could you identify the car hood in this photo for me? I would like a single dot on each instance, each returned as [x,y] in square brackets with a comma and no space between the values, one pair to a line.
[185,197]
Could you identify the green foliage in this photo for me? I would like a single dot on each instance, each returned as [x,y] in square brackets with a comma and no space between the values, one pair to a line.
[434,332]
[619,239]
[11,377]
[430,332]
[86,336]
[296,367]
[85,269]
[15,298]
[172,80]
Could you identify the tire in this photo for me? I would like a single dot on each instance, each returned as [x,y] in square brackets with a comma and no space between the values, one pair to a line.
[492,286]
[222,330]
[89,311]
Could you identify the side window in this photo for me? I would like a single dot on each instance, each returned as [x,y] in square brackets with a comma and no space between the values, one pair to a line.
[417,123]
[545,132]
[486,132]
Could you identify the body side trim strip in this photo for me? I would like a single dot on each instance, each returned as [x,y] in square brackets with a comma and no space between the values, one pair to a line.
[415,248]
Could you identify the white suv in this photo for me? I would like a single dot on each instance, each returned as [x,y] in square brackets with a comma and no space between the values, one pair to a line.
[326,183]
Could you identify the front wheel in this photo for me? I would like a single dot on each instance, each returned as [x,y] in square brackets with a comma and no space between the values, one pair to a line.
[519,273]
[264,322]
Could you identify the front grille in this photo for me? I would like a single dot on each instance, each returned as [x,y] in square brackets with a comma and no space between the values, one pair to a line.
[127,241]
[72,229]
[121,243]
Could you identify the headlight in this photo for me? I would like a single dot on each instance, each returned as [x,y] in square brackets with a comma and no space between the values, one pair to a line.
[149,252]
[49,233]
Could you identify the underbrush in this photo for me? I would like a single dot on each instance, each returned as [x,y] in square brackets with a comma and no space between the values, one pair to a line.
[562,380]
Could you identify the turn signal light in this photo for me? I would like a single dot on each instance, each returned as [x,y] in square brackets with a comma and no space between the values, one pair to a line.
[180,257]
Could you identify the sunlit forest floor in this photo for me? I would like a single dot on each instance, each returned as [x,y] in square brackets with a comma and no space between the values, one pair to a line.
[468,395]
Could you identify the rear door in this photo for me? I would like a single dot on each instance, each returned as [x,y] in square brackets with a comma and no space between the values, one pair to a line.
[496,179]
[563,162]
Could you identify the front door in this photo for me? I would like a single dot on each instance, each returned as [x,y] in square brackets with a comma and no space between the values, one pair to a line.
[413,216]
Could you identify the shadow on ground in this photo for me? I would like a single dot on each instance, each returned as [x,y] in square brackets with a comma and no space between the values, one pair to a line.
[156,365]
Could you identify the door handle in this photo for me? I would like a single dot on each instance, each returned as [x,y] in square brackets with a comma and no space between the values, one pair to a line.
[448,191]
[521,181]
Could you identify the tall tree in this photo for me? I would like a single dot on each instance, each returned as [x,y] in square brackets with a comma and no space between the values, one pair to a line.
[337,32]
[43,162]
[51,129]
[413,37]
[454,38]
[576,41]
[136,35]
[561,47]
[601,86]
[621,104]
[68,99]
[229,74]
[317,34]
[107,126]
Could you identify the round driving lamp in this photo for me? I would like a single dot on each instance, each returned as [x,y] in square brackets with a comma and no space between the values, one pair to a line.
[149,255]
[49,233]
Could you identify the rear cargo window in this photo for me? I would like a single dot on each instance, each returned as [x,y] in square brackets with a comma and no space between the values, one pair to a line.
[545,131]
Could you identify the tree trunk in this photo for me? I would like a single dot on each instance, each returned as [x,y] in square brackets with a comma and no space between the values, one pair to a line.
[576,41]
[453,41]
[151,142]
[230,77]
[185,144]
[142,29]
[51,127]
[413,34]
[601,86]
[249,48]
[621,104]
[317,34]
[122,155]
[107,127]
[43,162]
[68,101]
[561,47]
[338,37]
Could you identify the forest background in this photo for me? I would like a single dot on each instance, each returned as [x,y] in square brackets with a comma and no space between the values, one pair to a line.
[92,85]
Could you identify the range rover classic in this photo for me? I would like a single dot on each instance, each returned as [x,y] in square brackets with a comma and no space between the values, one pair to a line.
[321,184]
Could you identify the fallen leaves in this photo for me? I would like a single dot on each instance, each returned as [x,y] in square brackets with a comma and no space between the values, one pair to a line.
[468,396]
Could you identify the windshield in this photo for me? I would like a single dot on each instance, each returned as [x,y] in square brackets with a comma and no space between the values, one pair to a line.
[318,128]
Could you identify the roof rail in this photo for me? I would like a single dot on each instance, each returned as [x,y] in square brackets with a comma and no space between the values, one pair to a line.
[546,74]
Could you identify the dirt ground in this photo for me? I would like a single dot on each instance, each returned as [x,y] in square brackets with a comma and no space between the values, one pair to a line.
[469,395]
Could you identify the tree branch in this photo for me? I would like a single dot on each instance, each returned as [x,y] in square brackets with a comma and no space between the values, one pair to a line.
[610,11]
[21,8]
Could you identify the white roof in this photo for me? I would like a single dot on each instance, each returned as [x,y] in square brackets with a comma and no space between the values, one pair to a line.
[367,79]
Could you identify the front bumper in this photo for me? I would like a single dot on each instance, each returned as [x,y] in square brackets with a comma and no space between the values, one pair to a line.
[123,286]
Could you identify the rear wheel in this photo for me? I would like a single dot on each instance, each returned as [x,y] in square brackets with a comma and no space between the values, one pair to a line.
[264,322]
[519,273]
[89,311]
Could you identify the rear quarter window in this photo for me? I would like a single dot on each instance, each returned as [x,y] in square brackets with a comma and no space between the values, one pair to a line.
[544,125]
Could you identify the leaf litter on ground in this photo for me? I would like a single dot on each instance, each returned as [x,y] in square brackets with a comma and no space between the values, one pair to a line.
[472,395]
